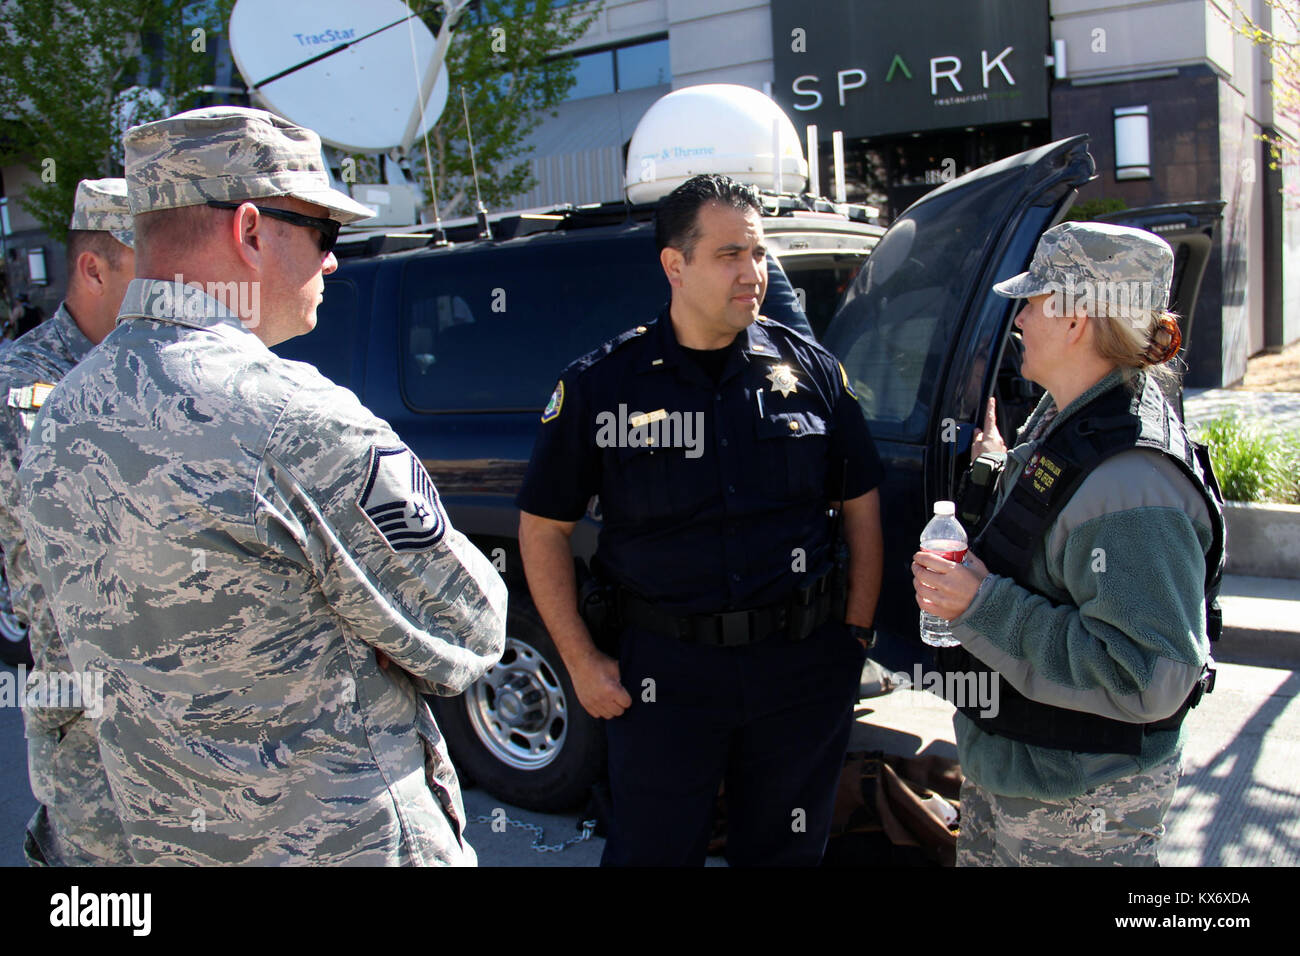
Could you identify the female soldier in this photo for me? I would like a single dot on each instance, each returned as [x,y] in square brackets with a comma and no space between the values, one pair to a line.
[1085,593]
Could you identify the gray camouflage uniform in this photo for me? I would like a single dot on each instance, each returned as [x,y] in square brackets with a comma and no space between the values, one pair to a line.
[76,822]
[233,539]
[198,518]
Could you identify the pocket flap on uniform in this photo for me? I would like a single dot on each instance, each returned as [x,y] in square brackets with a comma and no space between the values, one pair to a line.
[629,452]
[790,424]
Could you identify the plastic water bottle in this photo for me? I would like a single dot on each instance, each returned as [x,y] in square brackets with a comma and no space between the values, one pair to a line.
[945,537]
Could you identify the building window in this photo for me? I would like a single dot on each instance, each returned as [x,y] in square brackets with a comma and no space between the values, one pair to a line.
[631,67]
[1132,143]
[645,64]
[36,267]
[594,75]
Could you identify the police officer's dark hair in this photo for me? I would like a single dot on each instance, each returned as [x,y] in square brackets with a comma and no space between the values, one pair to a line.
[102,244]
[677,215]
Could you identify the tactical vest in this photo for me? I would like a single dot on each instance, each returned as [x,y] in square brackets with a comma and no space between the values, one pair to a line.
[1113,422]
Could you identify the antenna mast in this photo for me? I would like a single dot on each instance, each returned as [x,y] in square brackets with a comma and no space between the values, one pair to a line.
[484,230]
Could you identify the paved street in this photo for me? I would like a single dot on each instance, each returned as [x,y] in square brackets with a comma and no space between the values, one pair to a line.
[1238,804]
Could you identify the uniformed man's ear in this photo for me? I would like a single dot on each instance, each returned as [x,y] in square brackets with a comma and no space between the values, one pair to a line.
[248,230]
[91,270]
[672,260]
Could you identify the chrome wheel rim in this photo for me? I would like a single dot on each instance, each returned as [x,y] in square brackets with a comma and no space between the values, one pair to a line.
[518,708]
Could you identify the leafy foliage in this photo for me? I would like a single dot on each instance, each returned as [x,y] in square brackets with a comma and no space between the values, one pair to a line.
[72,70]
[504,55]
[1253,464]
[1279,33]
[1090,209]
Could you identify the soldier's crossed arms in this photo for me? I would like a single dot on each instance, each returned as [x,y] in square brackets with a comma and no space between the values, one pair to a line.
[340,492]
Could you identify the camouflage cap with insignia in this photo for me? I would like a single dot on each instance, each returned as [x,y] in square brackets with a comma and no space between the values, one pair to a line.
[1074,255]
[102,206]
[229,153]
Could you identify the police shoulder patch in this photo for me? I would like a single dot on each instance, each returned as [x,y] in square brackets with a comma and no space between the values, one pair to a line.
[844,377]
[552,410]
[400,501]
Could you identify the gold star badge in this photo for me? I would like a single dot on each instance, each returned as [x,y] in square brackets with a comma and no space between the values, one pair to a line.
[783,380]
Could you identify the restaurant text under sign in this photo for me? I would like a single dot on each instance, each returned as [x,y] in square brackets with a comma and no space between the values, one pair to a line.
[878,67]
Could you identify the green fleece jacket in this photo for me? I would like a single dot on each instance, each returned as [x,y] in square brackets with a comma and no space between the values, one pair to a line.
[1121,630]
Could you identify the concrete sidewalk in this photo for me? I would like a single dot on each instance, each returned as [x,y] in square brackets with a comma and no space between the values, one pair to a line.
[1280,409]
[1238,803]
[1261,621]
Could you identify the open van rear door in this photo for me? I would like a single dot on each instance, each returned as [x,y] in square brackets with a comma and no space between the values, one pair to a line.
[921,334]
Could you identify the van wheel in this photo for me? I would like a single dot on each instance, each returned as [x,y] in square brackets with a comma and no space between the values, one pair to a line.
[14,648]
[519,731]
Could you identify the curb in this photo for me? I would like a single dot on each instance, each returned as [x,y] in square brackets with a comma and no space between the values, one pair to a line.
[1258,647]
[1263,540]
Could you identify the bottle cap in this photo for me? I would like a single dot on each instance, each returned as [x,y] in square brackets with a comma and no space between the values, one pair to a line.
[945,508]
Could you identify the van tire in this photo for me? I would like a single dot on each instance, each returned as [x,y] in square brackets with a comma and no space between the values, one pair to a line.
[519,731]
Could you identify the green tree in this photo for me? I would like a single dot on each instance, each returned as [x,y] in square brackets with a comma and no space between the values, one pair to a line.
[506,56]
[1090,209]
[1278,31]
[72,70]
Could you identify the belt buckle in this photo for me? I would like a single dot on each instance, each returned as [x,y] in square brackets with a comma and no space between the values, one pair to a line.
[734,628]
[798,622]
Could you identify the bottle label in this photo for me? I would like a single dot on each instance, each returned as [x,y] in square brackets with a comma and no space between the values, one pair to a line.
[954,551]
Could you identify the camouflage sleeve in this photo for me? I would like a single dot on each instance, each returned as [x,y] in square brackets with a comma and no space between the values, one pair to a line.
[13,436]
[340,492]
[26,594]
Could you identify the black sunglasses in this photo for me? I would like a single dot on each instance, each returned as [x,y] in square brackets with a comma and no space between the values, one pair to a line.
[328,228]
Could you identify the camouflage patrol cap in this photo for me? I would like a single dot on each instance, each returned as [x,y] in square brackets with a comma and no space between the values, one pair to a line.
[1078,255]
[101,206]
[229,153]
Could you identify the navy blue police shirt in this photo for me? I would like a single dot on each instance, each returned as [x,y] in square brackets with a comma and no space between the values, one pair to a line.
[712,496]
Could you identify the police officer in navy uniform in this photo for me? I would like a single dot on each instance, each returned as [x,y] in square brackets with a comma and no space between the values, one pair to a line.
[717,441]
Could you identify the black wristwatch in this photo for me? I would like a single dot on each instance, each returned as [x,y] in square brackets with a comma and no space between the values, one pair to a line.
[867,635]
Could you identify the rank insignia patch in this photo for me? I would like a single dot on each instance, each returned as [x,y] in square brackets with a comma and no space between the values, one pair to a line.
[552,410]
[783,380]
[400,501]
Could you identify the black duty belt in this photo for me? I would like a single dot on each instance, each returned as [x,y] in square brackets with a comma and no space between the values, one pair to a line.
[805,611]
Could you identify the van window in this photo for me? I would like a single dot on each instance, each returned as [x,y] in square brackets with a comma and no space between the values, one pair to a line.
[903,312]
[491,329]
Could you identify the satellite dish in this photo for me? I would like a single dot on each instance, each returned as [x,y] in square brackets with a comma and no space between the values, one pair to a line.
[359,98]
[133,106]
[713,128]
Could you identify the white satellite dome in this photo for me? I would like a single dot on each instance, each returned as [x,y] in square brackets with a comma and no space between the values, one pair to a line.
[712,128]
